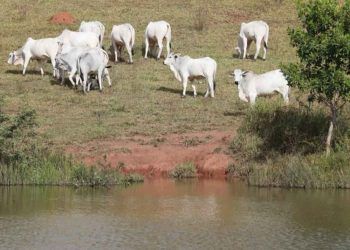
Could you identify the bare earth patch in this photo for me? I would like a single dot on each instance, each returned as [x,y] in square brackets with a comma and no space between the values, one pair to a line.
[156,157]
[62,18]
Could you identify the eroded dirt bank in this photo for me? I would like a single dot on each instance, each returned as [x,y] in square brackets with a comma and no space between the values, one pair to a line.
[156,157]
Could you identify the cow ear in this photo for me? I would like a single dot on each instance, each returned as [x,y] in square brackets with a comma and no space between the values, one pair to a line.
[244,73]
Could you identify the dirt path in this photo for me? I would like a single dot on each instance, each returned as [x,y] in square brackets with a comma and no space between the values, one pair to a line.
[156,157]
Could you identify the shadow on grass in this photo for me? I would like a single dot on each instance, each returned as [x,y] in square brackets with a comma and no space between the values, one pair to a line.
[178,91]
[237,113]
[19,72]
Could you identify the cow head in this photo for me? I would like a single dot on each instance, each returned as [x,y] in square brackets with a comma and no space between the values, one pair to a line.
[171,59]
[238,74]
[15,58]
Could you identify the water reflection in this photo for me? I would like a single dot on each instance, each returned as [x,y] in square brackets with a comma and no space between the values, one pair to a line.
[168,214]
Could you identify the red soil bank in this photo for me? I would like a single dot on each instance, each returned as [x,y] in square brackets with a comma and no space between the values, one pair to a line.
[62,18]
[156,157]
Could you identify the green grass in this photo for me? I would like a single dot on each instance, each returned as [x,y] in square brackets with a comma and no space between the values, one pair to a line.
[144,97]
[57,169]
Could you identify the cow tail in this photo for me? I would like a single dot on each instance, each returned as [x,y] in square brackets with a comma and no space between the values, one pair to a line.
[266,36]
[214,79]
[168,34]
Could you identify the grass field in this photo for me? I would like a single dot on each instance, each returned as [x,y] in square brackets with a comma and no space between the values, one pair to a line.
[144,97]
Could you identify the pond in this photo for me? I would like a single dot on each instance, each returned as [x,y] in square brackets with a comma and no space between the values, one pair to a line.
[195,214]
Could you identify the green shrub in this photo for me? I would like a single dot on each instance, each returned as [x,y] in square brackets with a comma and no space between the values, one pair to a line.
[184,170]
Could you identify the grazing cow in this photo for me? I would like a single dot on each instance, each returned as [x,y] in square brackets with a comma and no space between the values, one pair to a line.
[251,85]
[186,68]
[66,60]
[93,61]
[94,26]
[123,36]
[79,39]
[38,50]
[257,31]
[155,33]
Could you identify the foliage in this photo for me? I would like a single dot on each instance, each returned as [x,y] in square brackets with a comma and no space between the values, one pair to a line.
[185,170]
[323,47]
[281,146]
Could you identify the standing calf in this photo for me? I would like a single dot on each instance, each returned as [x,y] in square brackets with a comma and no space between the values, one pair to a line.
[156,32]
[257,31]
[123,36]
[251,85]
[186,68]
[92,61]
[38,50]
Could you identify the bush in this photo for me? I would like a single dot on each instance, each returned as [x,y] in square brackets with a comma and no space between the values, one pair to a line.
[185,170]
[283,146]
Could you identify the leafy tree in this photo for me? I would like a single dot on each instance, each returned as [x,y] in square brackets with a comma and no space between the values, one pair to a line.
[323,47]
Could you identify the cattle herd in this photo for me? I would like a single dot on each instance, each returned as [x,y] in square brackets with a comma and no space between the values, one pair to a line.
[81,54]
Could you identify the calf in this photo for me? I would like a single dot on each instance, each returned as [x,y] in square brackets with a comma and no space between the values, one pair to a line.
[257,31]
[251,85]
[156,32]
[123,36]
[186,68]
[92,61]
[38,50]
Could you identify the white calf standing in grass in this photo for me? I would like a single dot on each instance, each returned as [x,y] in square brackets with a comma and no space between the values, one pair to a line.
[186,68]
[123,35]
[257,31]
[94,26]
[39,50]
[155,33]
[251,85]
[93,61]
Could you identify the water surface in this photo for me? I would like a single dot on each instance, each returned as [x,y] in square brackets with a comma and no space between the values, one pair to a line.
[203,214]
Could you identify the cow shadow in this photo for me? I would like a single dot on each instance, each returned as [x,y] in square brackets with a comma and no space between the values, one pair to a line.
[19,72]
[178,91]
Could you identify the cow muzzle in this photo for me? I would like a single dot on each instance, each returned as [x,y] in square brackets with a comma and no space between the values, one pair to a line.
[236,82]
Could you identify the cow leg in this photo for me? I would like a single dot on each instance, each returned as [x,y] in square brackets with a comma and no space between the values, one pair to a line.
[146,47]
[115,51]
[252,97]
[194,90]
[53,65]
[129,52]
[244,40]
[160,45]
[85,76]
[184,85]
[106,73]
[211,86]
[284,91]
[258,44]
[62,76]
[72,73]
[99,75]
[25,64]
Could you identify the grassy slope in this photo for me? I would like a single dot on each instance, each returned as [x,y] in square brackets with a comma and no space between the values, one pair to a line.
[145,97]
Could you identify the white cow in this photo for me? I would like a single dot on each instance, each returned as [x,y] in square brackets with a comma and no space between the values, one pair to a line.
[66,60]
[186,68]
[93,61]
[155,33]
[257,31]
[79,39]
[39,50]
[251,85]
[123,35]
[94,26]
